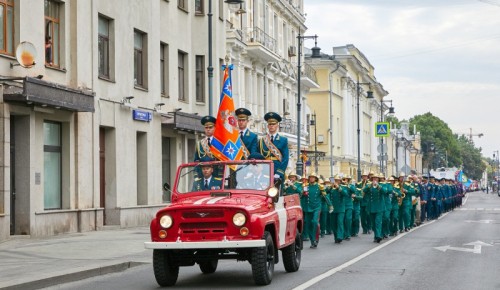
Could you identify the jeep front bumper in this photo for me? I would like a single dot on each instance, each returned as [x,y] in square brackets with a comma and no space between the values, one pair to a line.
[224,244]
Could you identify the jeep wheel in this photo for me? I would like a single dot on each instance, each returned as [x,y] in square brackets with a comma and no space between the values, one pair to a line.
[166,272]
[292,254]
[263,262]
[208,267]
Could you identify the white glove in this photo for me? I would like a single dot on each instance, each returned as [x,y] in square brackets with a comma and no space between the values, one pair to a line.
[277,176]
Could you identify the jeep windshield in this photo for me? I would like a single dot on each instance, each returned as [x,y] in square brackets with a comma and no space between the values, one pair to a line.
[224,176]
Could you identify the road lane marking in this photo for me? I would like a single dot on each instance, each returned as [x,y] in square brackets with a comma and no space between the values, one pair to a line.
[331,272]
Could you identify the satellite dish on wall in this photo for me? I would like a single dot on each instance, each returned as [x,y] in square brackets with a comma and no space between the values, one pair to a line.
[25,55]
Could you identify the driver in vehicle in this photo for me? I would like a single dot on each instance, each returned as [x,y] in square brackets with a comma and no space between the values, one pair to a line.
[208,181]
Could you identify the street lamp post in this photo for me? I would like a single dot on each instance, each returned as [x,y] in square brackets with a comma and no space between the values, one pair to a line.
[314,123]
[300,164]
[391,111]
[369,95]
[210,68]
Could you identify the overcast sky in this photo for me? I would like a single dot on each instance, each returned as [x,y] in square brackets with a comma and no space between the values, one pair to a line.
[438,56]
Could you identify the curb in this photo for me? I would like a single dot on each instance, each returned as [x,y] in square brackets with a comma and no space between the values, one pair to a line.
[75,276]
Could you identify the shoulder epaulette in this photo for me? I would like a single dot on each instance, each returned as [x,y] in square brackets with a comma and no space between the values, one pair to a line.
[197,179]
[217,178]
[266,176]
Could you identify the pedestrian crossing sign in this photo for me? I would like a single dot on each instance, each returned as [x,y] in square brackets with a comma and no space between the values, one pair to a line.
[382,129]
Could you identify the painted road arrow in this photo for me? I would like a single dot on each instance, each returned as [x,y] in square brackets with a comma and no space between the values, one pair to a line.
[476,250]
[480,221]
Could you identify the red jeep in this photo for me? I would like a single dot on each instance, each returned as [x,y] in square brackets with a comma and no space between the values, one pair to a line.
[240,214]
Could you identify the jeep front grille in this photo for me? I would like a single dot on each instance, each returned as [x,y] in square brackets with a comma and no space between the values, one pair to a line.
[203,228]
[203,214]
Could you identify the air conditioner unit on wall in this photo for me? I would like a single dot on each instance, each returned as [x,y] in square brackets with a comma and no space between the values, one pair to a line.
[292,51]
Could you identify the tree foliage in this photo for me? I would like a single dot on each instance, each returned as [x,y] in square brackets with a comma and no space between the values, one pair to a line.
[442,148]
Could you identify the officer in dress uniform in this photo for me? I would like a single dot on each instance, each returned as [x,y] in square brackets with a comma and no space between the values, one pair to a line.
[273,146]
[203,152]
[208,181]
[248,138]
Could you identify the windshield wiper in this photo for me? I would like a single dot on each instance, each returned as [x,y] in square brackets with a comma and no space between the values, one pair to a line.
[194,168]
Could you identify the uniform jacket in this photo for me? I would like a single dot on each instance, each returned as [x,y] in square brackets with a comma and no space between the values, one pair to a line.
[312,201]
[200,154]
[251,140]
[337,196]
[199,184]
[282,144]
[375,199]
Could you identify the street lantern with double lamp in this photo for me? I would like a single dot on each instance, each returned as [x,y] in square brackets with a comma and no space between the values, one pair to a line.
[314,123]
[369,95]
[300,164]
[210,68]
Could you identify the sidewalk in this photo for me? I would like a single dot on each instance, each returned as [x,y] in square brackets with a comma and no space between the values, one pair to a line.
[33,263]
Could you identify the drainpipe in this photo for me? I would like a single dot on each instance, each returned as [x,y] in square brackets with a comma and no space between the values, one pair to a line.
[331,116]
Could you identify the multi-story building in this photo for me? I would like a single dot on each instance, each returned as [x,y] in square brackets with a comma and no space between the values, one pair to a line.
[345,79]
[113,103]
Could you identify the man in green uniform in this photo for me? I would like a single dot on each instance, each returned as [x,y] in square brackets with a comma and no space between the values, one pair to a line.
[407,191]
[365,218]
[314,196]
[349,206]
[387,203]
[374,194]
[394,196]
[356,210]
[338,193]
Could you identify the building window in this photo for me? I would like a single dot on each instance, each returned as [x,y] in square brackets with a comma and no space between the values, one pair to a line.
[52,180]
[140,63]
[198,6]
[164,68]
[182,4]
[52,33]
[200,78]
[7,27]
[182,74]
[103,46]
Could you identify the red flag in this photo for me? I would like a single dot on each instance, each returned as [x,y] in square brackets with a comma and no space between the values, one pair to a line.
[226,144]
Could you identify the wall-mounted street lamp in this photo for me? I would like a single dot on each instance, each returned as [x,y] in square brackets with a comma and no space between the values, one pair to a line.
[127,101]
[300,38]
[158,106]
[369,95]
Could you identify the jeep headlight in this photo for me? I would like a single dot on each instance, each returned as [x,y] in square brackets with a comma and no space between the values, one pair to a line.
[166,221]
[272,192]
[239,219]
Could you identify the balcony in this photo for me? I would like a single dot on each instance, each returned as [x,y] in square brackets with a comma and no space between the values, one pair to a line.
[308,77]
[261,45]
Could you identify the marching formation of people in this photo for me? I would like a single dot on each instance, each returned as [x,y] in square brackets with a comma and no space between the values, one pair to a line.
[340,206]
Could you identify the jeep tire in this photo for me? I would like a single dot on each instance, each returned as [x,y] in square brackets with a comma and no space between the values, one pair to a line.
[292,254]
[208,267]
[165,270]
[263,261]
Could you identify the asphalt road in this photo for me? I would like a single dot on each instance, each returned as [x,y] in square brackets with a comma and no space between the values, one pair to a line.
[459,251]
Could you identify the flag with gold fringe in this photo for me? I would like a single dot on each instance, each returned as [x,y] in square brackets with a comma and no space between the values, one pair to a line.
[226,143]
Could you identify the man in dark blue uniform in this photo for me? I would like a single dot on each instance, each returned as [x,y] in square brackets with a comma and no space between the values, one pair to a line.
[248,138]
[274,146]
[207,181]
[203,152]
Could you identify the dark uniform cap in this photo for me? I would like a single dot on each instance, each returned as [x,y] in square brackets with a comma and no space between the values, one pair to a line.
[243,113]
[208,120]
[272,117]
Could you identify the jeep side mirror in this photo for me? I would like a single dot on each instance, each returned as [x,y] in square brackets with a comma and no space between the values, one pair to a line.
[166,186]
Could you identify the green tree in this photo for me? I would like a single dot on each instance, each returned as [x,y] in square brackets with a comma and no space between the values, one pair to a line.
[395,123]
[439,144]
[473,164]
